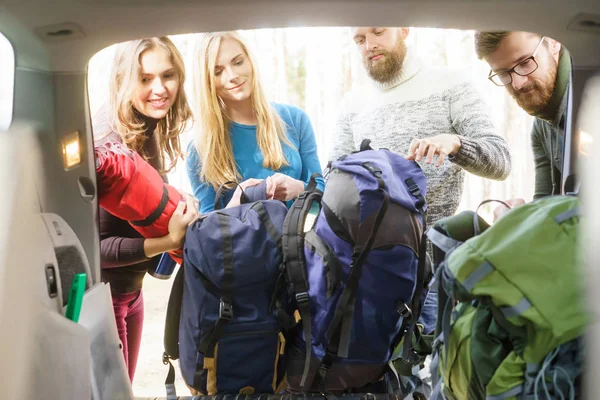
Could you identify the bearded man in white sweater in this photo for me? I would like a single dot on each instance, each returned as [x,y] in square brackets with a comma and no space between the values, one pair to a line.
[434,116]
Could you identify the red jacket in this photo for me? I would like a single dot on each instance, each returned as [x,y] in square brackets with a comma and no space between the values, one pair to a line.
[130,189]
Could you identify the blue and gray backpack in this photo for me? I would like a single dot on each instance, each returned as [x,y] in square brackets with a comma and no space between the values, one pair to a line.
[221,322]
[355,260]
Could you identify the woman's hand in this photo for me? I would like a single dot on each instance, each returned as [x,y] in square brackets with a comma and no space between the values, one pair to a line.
[285,187]
[191,197]
[185,213]
[236,198]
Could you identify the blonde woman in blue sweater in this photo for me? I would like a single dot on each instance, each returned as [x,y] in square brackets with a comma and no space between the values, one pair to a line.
[242,137]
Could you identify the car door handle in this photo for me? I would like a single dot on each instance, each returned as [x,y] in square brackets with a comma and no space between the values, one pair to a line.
[87,189]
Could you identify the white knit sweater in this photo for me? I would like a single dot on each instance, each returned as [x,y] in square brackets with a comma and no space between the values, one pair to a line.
[421,103]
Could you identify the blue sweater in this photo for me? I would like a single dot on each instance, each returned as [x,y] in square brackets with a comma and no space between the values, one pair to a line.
[302,159]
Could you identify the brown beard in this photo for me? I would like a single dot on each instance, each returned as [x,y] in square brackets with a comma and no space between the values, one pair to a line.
[534,97]
[384,70]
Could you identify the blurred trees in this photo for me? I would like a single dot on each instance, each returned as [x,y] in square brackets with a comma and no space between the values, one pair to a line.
[313,68]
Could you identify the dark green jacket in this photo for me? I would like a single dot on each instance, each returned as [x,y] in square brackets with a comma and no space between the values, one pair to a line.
[548,134]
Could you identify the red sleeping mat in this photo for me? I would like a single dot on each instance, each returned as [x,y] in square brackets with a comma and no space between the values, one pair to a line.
[130,189]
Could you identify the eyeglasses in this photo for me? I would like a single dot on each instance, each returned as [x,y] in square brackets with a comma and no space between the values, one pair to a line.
[524,68]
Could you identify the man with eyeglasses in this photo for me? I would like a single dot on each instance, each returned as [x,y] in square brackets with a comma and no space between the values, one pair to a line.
[535,70]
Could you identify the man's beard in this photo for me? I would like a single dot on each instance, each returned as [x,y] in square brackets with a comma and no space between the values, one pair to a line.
[388,67]
[534,97]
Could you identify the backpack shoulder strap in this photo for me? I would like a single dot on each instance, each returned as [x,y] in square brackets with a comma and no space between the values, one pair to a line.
[171,340]
[414,312]
[293,258]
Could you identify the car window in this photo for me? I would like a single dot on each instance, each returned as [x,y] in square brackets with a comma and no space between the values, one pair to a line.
[297,69]
[7,82]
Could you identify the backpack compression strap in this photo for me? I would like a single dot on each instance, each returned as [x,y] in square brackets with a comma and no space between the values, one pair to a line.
[207,346]
[344,312]
[341,324]
[293,252]
[415,309]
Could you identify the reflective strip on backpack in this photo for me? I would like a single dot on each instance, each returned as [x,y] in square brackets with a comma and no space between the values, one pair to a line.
[476,276]
[510,393]
[443,242]
[574,212]
[517,309]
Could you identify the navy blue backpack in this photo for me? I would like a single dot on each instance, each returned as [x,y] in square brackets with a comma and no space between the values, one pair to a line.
[220,320]
[357,273]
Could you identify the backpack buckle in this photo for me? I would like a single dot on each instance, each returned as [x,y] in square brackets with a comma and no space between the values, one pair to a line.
[225,310]
[373,169]
[413,188]
[302,297]
[404,311]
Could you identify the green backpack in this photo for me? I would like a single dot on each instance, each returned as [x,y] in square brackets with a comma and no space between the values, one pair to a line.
[510,303]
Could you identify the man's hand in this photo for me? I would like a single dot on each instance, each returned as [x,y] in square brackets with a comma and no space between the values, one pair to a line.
[286,188]
[440,145]
[502,209]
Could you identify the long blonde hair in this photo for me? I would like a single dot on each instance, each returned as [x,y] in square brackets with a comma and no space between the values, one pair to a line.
[125,76]
[212,140]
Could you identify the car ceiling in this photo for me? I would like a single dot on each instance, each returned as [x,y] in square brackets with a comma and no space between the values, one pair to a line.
[104,22]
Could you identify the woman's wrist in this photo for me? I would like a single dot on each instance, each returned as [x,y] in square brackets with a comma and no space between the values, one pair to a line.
[156,246]
[176,243]
[300,187]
